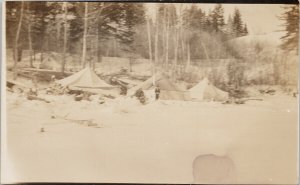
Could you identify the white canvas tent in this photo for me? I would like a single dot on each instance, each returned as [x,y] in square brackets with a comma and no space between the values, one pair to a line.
[50,63]
[205,91]
[85,79]
[169,90]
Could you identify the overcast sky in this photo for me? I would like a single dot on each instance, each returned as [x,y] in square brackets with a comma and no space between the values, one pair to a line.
[260,18]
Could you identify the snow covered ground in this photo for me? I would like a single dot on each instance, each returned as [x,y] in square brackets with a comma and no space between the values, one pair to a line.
[153,143]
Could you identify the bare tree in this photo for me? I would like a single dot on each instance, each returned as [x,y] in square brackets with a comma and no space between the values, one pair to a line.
[167,39]
[164,27]
[17,41]
[29,18]
[149,41]
[176,41]
[156,38]
[188,63]
[83,57]
[182,34]
[65,37]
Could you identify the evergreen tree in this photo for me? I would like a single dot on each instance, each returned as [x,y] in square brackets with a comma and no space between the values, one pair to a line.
[134,14]
[36,16]
[229,30]
[208,22]
[57,19]
[237,23]
[217,18]
[194,18]
[12,17]
[291,27]
[171,12]
[75,28]
[105,22]
[245,30]
[15,17]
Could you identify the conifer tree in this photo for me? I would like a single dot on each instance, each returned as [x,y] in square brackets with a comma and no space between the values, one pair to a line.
[217,18]
[245,30]
[290,17]
[237,23]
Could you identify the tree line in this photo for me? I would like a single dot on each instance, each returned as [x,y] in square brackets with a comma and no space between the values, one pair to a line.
[81,27]
[174,35]
[69,27]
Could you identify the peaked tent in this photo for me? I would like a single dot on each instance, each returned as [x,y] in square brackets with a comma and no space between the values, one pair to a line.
[85,79]
[169,90]
[50,63]
[204,90]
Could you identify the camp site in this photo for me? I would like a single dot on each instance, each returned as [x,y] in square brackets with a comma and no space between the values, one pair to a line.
[106,92]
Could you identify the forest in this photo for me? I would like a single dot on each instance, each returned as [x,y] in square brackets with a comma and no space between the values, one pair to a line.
[172,37]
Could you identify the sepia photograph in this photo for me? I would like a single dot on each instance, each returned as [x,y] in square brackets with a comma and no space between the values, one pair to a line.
[132,92]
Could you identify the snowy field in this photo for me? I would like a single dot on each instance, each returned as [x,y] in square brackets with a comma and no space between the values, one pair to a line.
[153,143]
